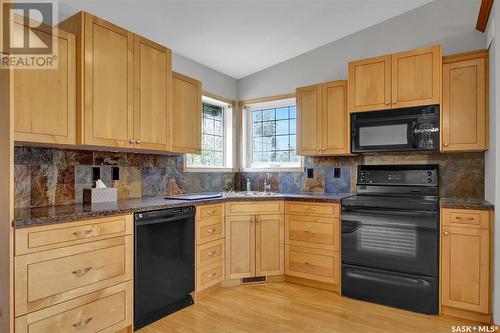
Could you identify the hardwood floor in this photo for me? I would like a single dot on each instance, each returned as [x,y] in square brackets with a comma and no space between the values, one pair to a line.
[286,307]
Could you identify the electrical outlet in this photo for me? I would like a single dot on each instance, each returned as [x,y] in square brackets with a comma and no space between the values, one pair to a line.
[96,173]
[115,173]
[310,173]
[336,173]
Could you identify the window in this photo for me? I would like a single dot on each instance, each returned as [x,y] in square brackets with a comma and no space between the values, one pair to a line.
[270,135]
[216,136]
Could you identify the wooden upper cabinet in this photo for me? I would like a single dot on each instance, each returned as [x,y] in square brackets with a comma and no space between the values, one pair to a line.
[370,84]
[123,86]
[152,100]
[404,79]
[464,112]
[335,119]
[44,99]
[186,114]
[107,116]
[465,268]
[308,100]
[416,77]
[322,119]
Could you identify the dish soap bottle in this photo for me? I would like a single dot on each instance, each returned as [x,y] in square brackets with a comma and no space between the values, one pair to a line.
[249,185]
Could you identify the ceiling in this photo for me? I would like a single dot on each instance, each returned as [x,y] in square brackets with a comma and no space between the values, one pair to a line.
[241,37]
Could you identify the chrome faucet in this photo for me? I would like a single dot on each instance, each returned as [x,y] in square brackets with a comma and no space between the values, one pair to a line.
[267,182]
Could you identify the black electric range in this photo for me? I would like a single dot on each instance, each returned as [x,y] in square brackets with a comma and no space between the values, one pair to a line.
[390,237]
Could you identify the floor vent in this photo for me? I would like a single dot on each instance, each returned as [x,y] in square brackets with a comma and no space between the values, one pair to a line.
[253,280]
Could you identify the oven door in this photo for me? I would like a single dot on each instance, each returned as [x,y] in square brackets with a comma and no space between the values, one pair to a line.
[401,241]
[384,134]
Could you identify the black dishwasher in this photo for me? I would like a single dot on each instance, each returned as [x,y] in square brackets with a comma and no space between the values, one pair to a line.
[163,263]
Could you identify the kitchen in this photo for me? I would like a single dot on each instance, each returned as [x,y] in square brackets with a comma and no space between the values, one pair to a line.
[345,185]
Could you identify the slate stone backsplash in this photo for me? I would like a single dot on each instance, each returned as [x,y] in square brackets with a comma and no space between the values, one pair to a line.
[46,176]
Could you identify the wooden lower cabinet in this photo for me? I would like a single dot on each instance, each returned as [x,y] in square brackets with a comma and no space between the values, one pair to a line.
[74,277]
[210,247]
[312,238]
[465,265]
[105,311]
[254,242]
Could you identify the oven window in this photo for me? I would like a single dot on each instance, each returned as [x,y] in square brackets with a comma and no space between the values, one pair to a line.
[388,241]
[383,135]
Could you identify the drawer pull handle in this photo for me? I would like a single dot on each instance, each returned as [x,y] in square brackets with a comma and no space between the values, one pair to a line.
[82,272]
[211,254]
[82,233]
[211,275]
[309,263]
[461,218]
[311,232]
[83,323]
[210,212]
[210,231]
[311,209]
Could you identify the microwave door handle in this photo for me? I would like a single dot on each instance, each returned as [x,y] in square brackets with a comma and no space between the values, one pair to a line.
[411,134]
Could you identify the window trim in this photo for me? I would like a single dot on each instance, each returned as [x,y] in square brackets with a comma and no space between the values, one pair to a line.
[229,153]
[245,107]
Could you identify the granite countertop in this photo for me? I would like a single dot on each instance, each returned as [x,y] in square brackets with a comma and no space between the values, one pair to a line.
[466,204]
[28,217]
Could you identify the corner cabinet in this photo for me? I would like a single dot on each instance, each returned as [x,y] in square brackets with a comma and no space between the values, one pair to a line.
[465,263]
[323,122]
[404,79]
[123,86]
[255,239]
[464,120]
[44,99]
[186,114]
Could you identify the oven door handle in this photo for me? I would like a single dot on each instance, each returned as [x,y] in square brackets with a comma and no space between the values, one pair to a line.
[349,225]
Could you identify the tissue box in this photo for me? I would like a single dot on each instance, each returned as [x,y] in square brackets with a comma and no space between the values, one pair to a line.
[97,195]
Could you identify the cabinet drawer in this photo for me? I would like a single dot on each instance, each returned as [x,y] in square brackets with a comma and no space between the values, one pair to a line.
[253,207]
[29,240]
[314,264]
[50,277]
[313,209]
[209,229]
[209,276]
[105,311]
[466,218]
[317,232]
[209,253]
[210,210]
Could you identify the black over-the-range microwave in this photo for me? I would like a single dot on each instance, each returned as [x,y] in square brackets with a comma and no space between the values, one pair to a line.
[404,129]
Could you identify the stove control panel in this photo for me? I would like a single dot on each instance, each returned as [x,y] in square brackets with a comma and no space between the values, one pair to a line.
[407,175]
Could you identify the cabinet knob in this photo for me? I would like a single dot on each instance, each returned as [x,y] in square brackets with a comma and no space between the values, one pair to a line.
[446,144]
[445,232]
[131,141]
[394,102]
[387,102]
[138,141]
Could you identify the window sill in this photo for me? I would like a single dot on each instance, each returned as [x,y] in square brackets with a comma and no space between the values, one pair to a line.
[207,170]
[282,169]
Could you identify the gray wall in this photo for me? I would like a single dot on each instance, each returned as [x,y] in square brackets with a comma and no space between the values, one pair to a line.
[212,81]
[492,176]
[447,22]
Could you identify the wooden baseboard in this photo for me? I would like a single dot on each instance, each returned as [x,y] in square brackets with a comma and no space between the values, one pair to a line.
[464,314]
[276,278]
[199,295]
[312,283]
[128,329]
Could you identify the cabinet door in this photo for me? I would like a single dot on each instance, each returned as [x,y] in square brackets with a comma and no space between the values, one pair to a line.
[44,99]
[186,114]
[465,268]
[416,77]
[270,245]
[240,246]
[335,122]
[370,84]
[108,84]
[152,92]
[308,120]
[464,120]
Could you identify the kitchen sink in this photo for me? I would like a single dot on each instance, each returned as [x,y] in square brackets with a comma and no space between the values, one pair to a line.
[250,194]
